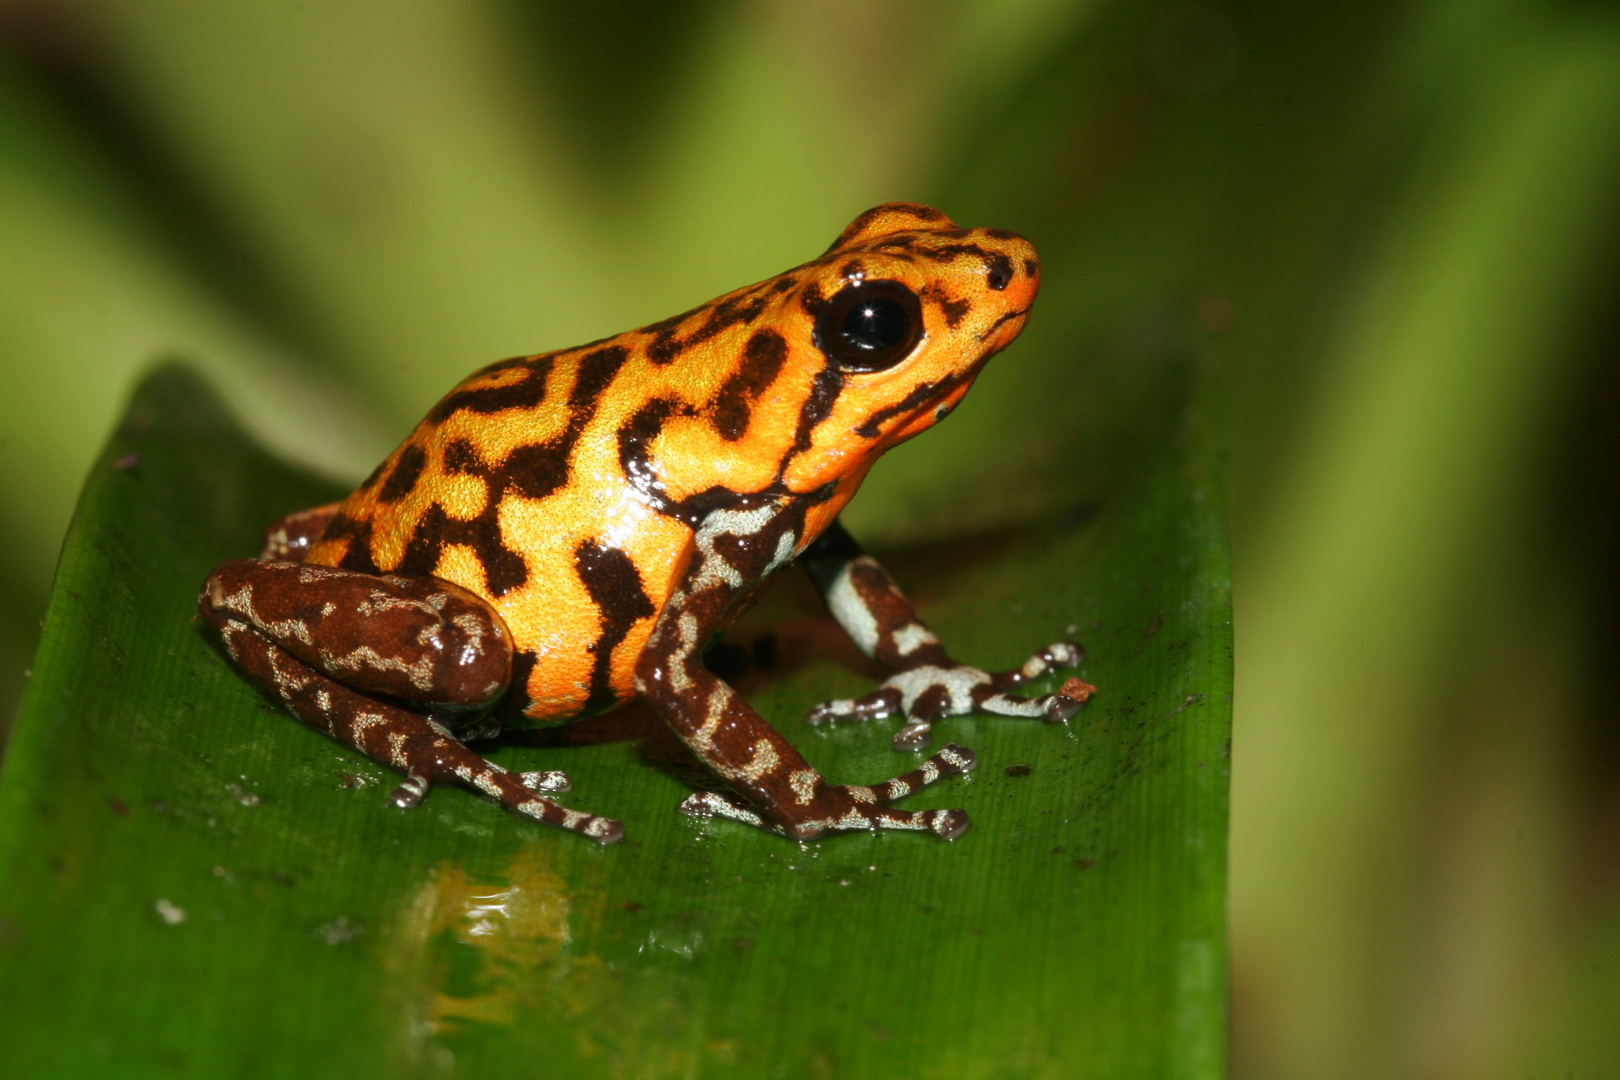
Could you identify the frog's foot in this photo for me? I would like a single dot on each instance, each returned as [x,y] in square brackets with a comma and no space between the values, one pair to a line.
[486,727]
[552,780]
[404,740]
[929,692]
[847,807]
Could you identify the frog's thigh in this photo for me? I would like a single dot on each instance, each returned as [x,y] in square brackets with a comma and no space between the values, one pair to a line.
[408,636]
[396,737]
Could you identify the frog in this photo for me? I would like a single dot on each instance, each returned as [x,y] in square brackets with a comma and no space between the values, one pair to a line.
[565,533]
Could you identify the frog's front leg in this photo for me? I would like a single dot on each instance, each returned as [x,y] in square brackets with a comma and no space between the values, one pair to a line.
[333,645]
[927,684]
[734,550]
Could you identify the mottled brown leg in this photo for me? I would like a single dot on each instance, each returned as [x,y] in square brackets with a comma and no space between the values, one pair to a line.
[407,636]
[289,538]
[778,788]
[927,684]
[396,737]
[323,639]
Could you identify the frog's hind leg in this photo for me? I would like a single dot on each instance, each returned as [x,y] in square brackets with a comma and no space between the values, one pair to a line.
[324,640]
[408,636]
[423,750]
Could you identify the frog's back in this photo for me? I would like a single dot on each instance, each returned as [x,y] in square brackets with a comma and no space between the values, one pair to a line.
[566,487]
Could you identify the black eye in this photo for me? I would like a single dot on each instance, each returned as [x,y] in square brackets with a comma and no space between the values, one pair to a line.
[869,325]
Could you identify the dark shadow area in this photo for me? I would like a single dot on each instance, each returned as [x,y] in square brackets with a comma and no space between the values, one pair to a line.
[1584,521]
[611,71]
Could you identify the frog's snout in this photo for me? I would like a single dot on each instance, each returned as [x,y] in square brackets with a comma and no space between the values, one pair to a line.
[1010,263]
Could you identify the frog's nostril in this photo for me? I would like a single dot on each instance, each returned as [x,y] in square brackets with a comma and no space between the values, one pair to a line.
[998,272]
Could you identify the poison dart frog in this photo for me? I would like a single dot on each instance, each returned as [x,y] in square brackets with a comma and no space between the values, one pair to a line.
[572,529]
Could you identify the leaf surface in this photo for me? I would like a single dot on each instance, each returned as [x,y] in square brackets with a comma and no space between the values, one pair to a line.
[193,884]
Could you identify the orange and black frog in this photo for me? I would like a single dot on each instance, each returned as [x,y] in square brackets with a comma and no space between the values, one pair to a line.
[570,530]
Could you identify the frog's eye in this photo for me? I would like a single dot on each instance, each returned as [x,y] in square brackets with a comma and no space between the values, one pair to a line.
[869,325]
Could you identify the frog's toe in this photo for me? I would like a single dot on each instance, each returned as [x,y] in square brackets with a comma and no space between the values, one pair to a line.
[945,824]
[1053,708]
[605,831]
[880,704]
[914,736]
[948,824]
[1055,657]
[1067,701]
[550,781]
[410,792]
[722,804]
[484,728]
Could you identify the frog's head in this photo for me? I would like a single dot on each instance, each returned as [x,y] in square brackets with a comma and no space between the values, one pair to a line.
[899,316]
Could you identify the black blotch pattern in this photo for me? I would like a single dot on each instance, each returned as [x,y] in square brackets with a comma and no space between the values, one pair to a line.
[460,458]
[741,309]
[524,393]
[916,210]
[532,471]
[376,474]
[818,404]
[955,310]
[357,556]
[341,527]
[826,556]
[596,371]
[1031,267]
[872,426]
[635,438]
[733,549]
[412,460]
[1001,234]
[762,361]
[522,667]
[615,588]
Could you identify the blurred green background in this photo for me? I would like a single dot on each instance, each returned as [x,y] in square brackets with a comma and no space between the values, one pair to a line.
[1393,225]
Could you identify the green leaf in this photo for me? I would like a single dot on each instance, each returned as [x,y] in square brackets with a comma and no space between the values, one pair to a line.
[193,884]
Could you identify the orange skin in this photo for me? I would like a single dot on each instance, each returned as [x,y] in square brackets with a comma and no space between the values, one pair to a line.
[570,528]
[748,438]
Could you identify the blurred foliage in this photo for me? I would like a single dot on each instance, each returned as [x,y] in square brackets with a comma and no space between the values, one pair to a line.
[1396,219]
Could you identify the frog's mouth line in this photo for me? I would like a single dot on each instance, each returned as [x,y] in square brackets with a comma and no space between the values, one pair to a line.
[993,327]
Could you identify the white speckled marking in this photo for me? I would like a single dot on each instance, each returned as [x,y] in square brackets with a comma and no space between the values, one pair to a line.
[912,636]
[957,681]
[763,761]
[803,783]
[847,606]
